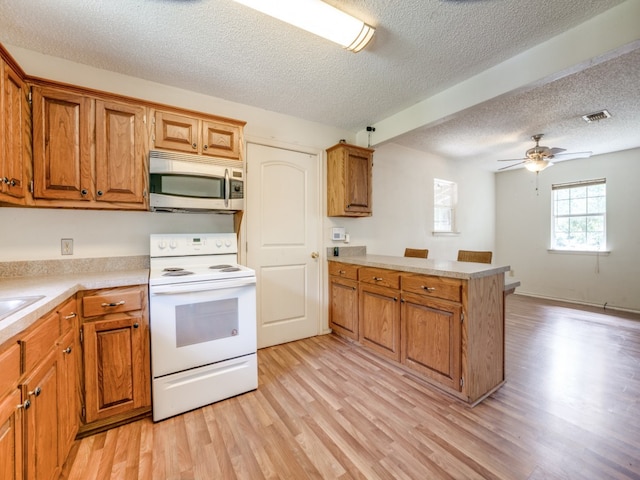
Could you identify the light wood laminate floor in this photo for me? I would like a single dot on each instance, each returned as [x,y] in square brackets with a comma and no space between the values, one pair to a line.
[325,409]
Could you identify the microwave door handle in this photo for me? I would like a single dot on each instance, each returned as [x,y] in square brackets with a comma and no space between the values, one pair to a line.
[227,187]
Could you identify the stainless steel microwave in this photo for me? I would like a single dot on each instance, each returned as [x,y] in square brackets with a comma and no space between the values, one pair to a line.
[194,183]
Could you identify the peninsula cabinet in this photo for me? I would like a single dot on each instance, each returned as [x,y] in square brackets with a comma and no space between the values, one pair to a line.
[200,135]
[87,152]
[349,177]
[379,312]
[116,360]
[447,330]
[343,294]
[14,155]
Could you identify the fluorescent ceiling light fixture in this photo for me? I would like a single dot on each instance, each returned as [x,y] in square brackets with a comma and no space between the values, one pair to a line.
[317,17]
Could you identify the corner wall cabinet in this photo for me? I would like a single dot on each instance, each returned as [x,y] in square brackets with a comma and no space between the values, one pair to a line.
[349,176]
[449,331]
[14,154]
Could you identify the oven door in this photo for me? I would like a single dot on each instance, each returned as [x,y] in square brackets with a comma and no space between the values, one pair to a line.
[199,323]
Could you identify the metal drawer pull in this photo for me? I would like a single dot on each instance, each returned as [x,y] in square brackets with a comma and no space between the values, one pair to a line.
[429,289]
[377,279]
[112,304]
[67,350]
[24,405]
[37,391]
[71,315]
[342,272]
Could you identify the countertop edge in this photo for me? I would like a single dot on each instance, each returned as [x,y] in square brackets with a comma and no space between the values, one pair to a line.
[441,268]
[56,289]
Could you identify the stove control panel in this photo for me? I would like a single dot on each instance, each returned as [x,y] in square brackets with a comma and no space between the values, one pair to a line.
[183,244]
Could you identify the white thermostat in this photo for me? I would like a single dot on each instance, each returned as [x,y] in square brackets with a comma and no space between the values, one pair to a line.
[337,233]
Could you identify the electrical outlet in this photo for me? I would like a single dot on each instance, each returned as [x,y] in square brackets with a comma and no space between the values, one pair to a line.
[66,246]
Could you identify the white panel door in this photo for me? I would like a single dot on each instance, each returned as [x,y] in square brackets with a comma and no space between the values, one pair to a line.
[283,223]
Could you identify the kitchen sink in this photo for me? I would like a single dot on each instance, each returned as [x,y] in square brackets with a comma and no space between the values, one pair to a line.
[11,305]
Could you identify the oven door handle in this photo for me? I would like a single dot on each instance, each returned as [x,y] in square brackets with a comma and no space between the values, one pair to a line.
[194,287]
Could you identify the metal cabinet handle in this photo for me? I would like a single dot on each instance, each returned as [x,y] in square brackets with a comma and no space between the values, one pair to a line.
[194,145]
[36,392]
[378,279]
[24,405]
[395,299]
[83,191]
[136,325]
[342,272]
[99,192]
[429,289]
[67,350]
[113,304]
[70,316]
[205,146]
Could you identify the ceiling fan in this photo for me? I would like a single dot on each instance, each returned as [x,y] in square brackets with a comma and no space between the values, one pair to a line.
[539,157]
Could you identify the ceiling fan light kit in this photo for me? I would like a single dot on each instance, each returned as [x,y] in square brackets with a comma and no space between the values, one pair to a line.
[539,157]
[318,18]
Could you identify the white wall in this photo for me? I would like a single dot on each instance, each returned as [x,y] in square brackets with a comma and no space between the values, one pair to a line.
[523,224]
[34,234]
[403,206]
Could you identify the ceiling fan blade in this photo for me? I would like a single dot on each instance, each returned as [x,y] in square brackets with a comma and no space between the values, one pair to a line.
[571,155]
[555,150]
[509,166]
[514,160]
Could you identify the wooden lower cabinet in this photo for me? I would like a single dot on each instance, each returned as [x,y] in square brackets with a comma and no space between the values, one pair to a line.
[431,338]
[68,409]
[343,306]
[40,389]
[11,436]
[379,319]
[116,359]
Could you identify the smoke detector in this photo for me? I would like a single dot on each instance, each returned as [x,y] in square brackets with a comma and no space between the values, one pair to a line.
[596,116]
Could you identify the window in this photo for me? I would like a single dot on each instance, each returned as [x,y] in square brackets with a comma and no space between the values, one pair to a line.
[579,215]
[445,200]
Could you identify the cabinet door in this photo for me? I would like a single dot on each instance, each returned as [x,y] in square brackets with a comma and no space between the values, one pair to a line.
[13,157]
[41,425]
[68,412]
[432,338]
[358,181]
[379,320]
[343,306]
[11,437]
[61,145]
[120,161]
[115,366]
[221,140]
[176,132]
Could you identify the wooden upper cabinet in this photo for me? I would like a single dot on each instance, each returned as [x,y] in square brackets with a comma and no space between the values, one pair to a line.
[14,158]
[120,153]
[349,176]
[61,145]
[197,135]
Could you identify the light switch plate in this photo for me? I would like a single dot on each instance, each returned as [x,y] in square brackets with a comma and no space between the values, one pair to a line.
[66,246]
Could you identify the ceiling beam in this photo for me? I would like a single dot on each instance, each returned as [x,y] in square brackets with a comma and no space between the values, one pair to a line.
[567,53]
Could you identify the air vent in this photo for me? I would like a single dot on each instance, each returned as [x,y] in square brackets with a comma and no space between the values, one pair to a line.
[594,117]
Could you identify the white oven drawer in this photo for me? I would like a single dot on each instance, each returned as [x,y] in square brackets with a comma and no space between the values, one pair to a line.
[184,391]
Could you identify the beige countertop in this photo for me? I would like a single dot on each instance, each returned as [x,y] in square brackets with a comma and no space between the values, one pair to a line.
[425,266]
[56,289]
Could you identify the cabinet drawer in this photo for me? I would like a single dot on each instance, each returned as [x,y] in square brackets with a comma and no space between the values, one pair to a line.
[343,270]
[438,287]
[379,276]
[39,341]
[117,301]
[9,368]
[68,313]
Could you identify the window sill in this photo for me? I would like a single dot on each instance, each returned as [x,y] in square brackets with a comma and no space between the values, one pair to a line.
[580,252]
[445,234]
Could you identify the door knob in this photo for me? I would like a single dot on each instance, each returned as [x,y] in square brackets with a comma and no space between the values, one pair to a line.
[315,254]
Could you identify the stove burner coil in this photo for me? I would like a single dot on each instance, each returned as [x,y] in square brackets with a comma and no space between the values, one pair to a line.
[179,272]
[230,269]
[172,269]
[220,267]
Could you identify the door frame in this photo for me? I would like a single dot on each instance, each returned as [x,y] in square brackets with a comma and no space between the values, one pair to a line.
[322,315]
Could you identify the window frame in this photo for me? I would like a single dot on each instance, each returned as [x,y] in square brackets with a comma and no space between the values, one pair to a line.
[583,214]
[451,207]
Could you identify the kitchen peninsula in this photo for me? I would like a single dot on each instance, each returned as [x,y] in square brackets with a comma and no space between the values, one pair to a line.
[442,320]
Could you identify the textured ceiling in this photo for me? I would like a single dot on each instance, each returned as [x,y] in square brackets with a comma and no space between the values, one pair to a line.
[421,47]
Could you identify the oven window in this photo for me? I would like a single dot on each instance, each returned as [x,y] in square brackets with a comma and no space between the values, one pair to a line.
[187,185]
[206,321]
